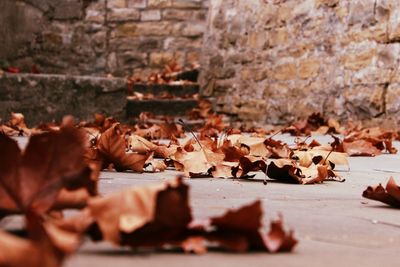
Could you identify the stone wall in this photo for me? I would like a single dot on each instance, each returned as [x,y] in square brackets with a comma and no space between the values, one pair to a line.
[276,60]
[97,37]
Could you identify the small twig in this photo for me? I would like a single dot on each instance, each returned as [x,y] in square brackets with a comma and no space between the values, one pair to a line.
[275,134]
[181,122]
[330,152]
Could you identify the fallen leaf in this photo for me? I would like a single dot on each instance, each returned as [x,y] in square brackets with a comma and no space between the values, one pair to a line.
[31,181]
[144,216]
[361,148]
[111,148]
[389,195]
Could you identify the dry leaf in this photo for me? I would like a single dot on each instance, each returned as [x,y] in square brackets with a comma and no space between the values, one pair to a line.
[31,181]
[144,216]
[389,195]
[111,149]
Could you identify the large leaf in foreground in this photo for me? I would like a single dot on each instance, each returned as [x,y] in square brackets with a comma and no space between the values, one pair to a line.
[31,181]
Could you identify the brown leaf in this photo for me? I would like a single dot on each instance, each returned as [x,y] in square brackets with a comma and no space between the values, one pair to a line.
[278,149]
[278,240]
[285,170]
[249,164]
[197,163]
[232,153]
[239,230]
[389,195]
[144,216]
[112,149]
[32,180]
[361,148]
[47,246]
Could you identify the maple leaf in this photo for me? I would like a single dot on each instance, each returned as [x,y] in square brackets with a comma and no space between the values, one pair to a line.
[285,170]
[111,149]
[213,126]
[278,149]
[232,153]
[255,145]
[389,195]
[171,129]
[31,181]
[316,155]
[197,163]
[144,216]
[47,245]
[141,145]
[224,169]
[239,230]
[249,164]
[361,148]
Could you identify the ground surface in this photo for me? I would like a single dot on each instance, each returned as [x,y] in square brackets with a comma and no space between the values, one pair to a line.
[334,224]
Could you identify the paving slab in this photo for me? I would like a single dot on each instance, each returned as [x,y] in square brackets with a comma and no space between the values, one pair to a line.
[334,224]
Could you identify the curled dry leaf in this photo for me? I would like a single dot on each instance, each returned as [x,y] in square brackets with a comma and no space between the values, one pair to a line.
[249,164]
[141,145]
[239,230]
[111,149]
[285,171]
[261,147]
[289,172]
[144,216]
[307,158]
[389,195]
[361,148]
[47,246]
[232,153]
[278,149]
[159,216]
[197,163]
[32,180]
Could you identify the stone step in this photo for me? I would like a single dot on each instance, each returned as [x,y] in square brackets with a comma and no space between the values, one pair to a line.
[48,97]
[178,90]
[171,107]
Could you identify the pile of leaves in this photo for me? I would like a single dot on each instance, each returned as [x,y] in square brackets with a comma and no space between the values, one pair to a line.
[217,151]
[55,173]
[172,74]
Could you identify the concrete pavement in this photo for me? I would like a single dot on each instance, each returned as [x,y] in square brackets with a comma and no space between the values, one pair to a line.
[334,224]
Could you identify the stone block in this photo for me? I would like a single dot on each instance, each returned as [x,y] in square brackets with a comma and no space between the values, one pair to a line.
[364,101]
[159,3]
[287,71]
[278,36]
[309,68]
[160,59]
[123,14]
[183,14]
[189,29]
[142,29]
[68,9]
[362,12]
[137,3]
[187,3]
[358,61]
[150,15]
[116,4]
[328,3]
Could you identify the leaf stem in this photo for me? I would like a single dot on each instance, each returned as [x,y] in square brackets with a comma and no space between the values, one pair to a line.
[181,122]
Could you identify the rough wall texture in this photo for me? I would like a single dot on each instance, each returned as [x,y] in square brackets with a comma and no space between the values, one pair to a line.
[101,36]
[275,60]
